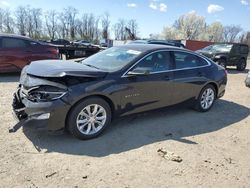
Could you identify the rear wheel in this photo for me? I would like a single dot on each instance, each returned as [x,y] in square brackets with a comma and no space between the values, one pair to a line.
[89,118]
[206,99]
[241,66]
[222,62]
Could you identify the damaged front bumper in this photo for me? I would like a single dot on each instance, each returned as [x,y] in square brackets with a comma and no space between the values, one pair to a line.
[49,115]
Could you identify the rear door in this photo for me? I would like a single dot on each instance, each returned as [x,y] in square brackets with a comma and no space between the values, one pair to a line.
[189,76]
[234,55]
[151,91]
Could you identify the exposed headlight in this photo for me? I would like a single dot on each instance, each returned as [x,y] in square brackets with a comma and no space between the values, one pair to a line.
[45,93]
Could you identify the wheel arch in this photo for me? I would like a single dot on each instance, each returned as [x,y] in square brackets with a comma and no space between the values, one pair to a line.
[105,98]
[215,85]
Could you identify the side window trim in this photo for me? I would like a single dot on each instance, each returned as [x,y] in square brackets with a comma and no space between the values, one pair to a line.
[132,66]
[172,59]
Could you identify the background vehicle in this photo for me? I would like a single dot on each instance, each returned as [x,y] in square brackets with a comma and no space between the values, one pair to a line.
[160,42]
[227,54]
[84,97]
[60,42]
[18,51]
[82,42]
[247,81]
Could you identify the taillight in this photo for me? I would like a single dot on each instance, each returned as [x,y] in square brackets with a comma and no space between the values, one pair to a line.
[225,72]
[55,51]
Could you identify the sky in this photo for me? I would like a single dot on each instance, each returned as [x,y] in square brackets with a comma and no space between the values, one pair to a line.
[151,15]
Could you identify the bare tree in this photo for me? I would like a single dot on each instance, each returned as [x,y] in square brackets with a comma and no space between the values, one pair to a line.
[70,14]
[21,18]
[88,27]
[1,19]
[63,26]
[215,32]
[190,25]
[170,33]
[231,33]
[119,30]
[133,28]
[97,32]
[245,38]
[8,22]
[36,14]
[105,25]
[51,23]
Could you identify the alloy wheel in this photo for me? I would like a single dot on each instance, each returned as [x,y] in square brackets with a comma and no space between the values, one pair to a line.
[207,98]
[91,119]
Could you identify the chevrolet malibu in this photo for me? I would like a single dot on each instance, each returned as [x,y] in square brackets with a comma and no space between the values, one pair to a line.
[84,97]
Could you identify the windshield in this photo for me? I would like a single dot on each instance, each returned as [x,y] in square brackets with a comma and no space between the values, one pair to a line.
[112,59]
[219,48]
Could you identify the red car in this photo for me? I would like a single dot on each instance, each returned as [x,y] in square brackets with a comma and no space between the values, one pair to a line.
[18,51]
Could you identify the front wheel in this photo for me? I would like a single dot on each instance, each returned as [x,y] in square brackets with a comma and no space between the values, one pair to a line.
[241,66]
[206,99]
[89,118]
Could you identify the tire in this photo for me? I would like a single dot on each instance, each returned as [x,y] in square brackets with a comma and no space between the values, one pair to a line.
[89,118]
[241,66]
[205,98]
[222,62]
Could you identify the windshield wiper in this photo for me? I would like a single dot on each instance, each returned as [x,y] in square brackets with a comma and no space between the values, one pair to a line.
[92,66]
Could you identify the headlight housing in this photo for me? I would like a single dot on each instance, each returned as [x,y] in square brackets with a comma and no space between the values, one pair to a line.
[45,93]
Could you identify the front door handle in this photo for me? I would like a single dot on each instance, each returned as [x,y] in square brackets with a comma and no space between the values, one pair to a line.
[166,78]
[201,74]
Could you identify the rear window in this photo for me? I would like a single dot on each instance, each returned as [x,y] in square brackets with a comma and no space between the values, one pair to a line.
[187,60]
[13,43]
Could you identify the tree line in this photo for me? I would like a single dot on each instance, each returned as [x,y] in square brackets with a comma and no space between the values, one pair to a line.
[194,27]
[71,24]
[67,24]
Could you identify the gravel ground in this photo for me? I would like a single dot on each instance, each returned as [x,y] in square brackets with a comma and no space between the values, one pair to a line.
[173,147]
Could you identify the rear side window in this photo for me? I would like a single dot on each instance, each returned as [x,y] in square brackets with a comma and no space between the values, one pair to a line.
[13,43]
[186,60]
[244,49]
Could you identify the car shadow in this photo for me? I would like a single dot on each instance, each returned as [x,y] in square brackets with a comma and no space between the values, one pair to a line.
[235,71]
[135,131]
[9,77]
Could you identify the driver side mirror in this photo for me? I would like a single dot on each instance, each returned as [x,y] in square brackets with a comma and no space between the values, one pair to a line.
[139,72]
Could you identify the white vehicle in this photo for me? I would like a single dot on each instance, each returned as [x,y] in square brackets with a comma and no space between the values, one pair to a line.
[247,81]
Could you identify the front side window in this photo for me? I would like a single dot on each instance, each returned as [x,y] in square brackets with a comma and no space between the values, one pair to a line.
[13,43]
[222,47]
[244,49]
[186,60]
[156,62]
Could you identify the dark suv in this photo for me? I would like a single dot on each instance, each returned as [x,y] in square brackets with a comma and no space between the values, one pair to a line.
[227,54]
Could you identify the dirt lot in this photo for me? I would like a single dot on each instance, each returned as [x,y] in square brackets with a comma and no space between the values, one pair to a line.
[176,147]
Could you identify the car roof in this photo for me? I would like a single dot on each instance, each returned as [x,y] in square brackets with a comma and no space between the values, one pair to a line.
[15,36]
[149,47]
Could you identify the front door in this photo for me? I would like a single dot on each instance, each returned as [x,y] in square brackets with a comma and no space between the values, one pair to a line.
[150,90]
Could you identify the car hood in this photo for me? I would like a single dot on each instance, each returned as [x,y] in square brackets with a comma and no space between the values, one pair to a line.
[61,68]
[205,53]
